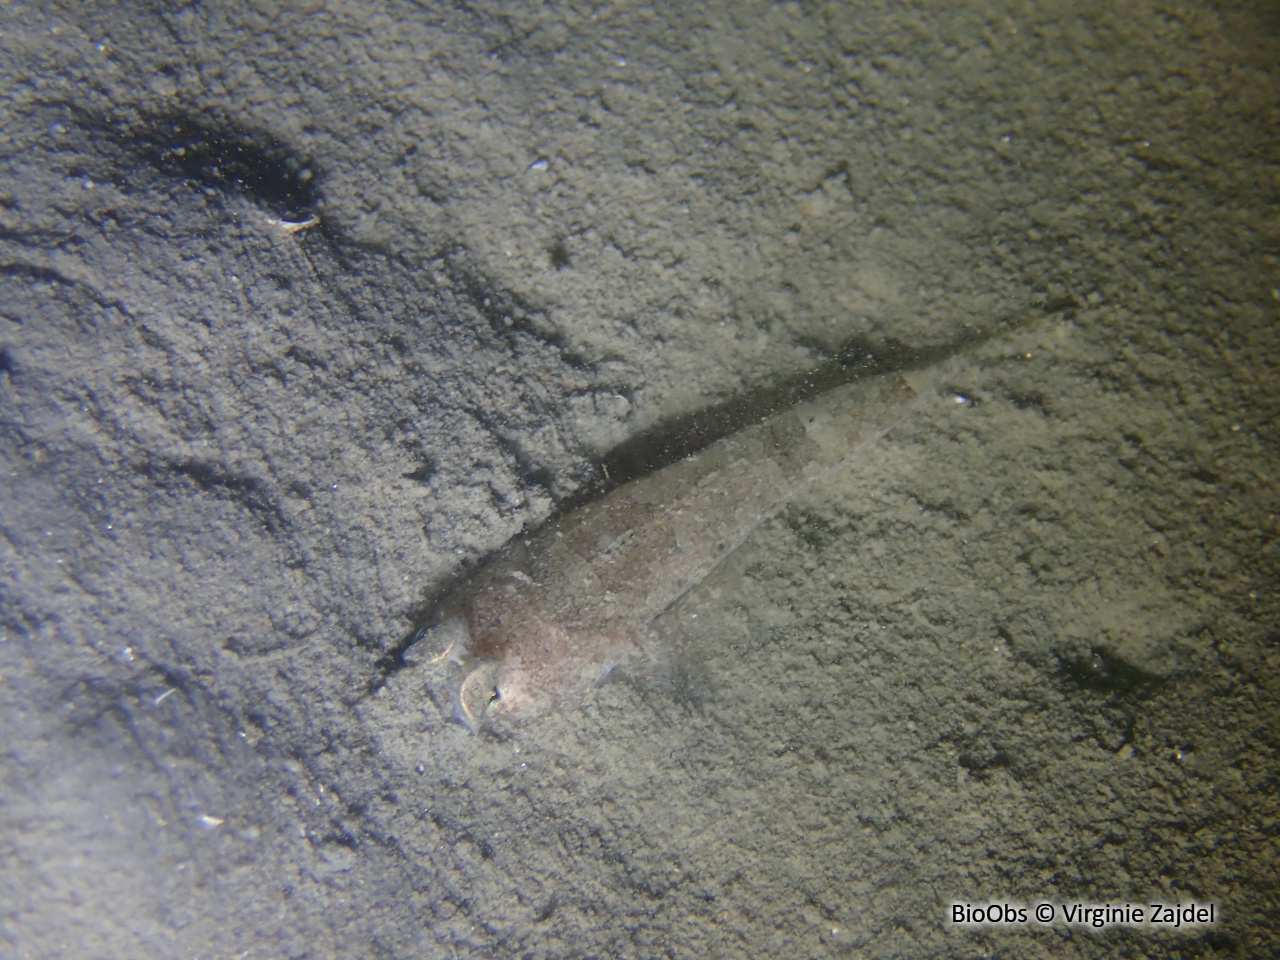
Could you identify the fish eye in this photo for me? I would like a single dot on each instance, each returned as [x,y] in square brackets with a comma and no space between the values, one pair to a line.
[494,700]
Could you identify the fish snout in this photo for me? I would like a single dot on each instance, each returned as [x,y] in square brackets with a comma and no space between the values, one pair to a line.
[442,642]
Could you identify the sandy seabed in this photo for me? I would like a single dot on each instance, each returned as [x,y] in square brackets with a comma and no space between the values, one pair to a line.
[1023,651]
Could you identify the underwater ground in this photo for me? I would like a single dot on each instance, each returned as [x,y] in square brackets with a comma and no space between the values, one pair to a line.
[305,312]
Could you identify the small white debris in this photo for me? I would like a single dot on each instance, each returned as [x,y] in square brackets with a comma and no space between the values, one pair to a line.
[291,227]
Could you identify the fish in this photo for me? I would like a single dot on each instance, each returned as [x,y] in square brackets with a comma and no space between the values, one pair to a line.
[559,609]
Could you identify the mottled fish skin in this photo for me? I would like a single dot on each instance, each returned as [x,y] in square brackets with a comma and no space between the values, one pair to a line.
[556,611]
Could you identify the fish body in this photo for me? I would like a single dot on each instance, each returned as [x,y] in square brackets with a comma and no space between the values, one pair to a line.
[555,611]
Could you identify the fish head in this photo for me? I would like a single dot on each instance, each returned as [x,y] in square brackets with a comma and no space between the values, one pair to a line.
[525,667]
[496,690]
[522,661]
